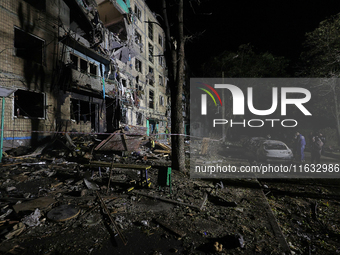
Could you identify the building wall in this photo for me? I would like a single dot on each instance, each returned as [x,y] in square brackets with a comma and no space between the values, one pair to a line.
[141,22]
[128,86]
[23,74]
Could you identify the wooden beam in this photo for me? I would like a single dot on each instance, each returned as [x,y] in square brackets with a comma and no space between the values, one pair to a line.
[116,165]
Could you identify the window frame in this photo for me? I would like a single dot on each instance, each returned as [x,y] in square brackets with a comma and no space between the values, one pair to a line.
[138,13]
[93,65]
[161,100]
[139,116]
[160,80]
[18,109]
[151,81]
[161,61]
[160,40]
[151,102]
[138,37]
[138,65]
[20,51]
[150,51]
[150,30]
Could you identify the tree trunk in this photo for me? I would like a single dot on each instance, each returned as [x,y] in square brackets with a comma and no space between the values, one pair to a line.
[175,62]
[178,154]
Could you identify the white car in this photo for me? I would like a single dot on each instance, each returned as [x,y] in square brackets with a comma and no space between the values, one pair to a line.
[272,151]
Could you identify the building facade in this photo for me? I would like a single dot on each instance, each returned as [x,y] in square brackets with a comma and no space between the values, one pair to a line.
[82,66]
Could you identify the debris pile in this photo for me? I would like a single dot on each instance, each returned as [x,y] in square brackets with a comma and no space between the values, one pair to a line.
[58,200]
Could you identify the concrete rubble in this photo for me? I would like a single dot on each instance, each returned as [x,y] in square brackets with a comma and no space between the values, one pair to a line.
[73,199]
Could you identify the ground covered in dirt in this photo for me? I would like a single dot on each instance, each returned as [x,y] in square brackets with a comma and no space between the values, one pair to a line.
[58,203]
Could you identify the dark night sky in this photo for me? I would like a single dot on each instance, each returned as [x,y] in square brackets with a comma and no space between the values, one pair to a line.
[274,26]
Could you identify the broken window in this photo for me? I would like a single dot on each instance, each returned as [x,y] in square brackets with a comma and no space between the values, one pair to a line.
[160,40]
[93,69]
[124,118]
[28,46]
[160,78]
[138,87]
[138,37]
[151,99]
[124,82]
[161,61]
[139,118]
[75,110]
[161,100]
[150,30]
[150,53]
[83,110]
[138,65]
[151,76]
[138,13]
[29,104]
[74,61]
[39,4]
[83,65]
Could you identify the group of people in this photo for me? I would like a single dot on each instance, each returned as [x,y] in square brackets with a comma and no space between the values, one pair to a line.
[316,145]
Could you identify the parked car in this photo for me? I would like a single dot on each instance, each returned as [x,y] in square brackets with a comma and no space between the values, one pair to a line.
[272,151]
[251,142]
[250,148]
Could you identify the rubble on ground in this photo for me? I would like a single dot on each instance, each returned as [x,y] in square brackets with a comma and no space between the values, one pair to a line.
[70,198]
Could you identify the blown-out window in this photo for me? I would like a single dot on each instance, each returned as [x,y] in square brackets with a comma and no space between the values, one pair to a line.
[151,76]
[39,4]
[83,65]
[160,40]
[161,61]
[139,118]
[161,100]
[74,61]
[138,37]
[150,53]
[29,104]
[93,69]
[151,99]
[150,30]
[138,12]
[160,79]
[83,111]
[28,46]
[138,65]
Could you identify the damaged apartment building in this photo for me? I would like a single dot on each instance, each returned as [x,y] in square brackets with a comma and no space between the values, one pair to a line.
[82,66]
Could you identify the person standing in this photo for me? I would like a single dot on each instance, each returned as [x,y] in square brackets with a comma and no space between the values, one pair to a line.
[310,139]
[323,140]
[316,148]
[300,146]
